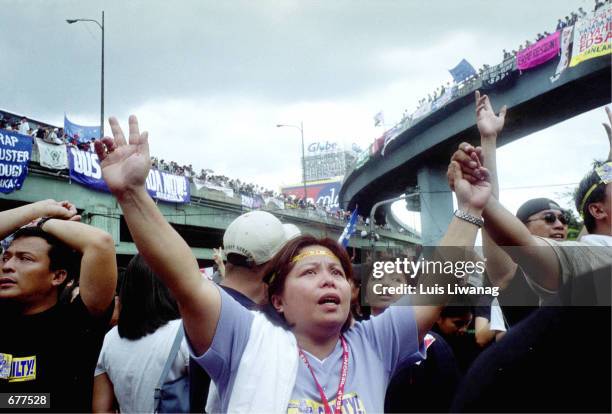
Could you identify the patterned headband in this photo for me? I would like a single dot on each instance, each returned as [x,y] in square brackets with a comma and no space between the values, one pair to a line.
[312,253]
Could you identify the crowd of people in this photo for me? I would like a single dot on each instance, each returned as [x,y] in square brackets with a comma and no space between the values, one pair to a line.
[46,133]
[446,92]
[56,136]
[290,323]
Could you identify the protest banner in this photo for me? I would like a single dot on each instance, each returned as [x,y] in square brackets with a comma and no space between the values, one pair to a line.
[15,154]
[389,136]
[539,53]
[253,203]
[85,169]
[443,99]
[210,186]
[566,40]
[79,132]
[51,155]
[362,158]
[499,76]
[273,202]
[592,36]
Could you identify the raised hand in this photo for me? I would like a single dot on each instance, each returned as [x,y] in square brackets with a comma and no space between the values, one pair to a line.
[489,124]
[125,165]
[469,179]
[57,209]
[218,256]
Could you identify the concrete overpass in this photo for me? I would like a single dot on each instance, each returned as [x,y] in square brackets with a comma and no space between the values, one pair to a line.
[420,154]
[201,223]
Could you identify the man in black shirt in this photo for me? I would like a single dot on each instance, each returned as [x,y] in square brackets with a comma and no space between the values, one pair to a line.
[47,346]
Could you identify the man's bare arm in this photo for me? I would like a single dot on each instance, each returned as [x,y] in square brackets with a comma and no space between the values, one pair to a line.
[500,267]
[98,277]
[11,220]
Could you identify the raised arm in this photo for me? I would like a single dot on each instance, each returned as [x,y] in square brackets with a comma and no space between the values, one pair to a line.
[472,197]
[11,220]
[98,276]
[534,255]
[500,267]
[125,167]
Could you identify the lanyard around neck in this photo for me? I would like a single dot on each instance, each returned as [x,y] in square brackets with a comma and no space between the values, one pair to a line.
[343,374]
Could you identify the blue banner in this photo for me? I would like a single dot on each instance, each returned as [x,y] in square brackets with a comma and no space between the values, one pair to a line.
[15,153]
[85,169]
[79,132]
[462,71]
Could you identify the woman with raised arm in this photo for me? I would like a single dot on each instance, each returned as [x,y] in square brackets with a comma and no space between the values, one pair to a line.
[305,353]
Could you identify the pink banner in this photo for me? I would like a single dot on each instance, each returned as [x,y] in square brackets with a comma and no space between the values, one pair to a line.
[539,52]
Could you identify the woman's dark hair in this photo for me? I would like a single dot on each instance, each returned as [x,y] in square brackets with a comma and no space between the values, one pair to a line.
[281,265]
[597,195]
[146,304]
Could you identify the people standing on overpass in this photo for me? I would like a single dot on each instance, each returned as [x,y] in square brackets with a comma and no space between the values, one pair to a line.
[47,345]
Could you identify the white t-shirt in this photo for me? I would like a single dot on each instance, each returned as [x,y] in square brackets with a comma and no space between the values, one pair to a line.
[24,127]
[597,239]
[497,317]
[134,367]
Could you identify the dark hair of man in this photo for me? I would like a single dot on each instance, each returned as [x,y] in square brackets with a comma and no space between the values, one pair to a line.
[458,306]
[598,194]
[281,265]
[239,260]
[61,256]
[146,304]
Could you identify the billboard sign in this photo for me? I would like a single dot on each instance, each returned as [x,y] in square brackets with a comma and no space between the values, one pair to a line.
[322,193]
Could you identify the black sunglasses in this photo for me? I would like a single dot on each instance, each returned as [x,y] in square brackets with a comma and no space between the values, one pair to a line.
[550,218]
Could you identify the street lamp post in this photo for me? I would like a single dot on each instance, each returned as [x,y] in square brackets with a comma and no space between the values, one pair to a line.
[301,128]
[101,26]
[373,211]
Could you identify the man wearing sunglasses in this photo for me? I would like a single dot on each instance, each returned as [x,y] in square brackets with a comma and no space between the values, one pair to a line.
[545,218]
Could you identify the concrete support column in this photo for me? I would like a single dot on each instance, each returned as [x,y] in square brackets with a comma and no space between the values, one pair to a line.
[106,219]
[436,202]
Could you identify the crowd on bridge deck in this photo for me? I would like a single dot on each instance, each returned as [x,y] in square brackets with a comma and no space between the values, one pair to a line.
[56,136]
[447,92]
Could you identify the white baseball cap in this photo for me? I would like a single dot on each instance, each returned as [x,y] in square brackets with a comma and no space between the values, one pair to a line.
[291,231]
[257,235]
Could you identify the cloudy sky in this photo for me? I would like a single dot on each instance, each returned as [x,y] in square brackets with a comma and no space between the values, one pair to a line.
[210,80]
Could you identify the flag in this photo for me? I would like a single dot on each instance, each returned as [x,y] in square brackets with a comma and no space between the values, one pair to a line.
[79,132]
[379,119]
[348,230]
[462,71]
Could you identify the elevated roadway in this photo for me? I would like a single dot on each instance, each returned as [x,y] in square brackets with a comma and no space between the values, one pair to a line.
[420,154]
